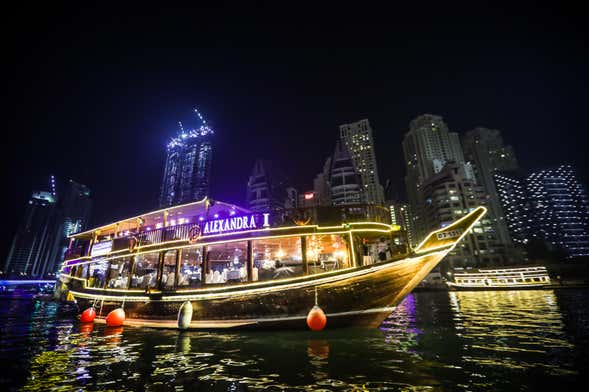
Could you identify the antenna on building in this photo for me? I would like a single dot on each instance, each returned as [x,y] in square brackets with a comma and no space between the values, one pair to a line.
[200,116]
[53,192]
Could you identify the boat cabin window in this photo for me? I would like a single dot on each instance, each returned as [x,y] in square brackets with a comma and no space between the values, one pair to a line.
[372,248]
[118,273]
[169,270]
[97,273]
[82,271]
[190,268]
[145,271]
[277,258]
[327,253]
[227,262]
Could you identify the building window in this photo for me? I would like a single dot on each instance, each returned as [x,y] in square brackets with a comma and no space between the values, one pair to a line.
[145,271]
[190,268]
[227,262]
[118,273]
[277,258]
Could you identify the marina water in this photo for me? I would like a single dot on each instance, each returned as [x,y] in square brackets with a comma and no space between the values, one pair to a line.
[434,341]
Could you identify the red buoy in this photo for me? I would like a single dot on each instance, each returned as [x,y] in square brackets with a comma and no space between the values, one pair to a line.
[88,315]
[316,319]
[115,318]
[86,328]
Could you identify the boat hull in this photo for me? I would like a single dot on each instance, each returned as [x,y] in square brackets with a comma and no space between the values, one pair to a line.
[362,296]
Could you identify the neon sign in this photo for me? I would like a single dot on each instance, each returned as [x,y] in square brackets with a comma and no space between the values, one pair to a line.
[235,223]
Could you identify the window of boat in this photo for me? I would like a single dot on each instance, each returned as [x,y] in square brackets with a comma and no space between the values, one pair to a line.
[227,262]
[82,271]
[97,273]
[190,268]
[169,270]
[371,248]
[327,253]
[277,258]
[145,271]
[118,273]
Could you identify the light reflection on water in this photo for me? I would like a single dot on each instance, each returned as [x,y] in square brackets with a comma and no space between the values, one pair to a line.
[517,340]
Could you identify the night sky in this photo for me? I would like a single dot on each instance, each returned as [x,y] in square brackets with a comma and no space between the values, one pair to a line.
[95,94]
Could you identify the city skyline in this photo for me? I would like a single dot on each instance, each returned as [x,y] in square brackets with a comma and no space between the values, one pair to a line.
[108,130]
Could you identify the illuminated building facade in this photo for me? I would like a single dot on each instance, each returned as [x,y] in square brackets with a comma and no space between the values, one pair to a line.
[187,170]
[41,237]
[358,139]
[560,209]
[513,198]
[401,216]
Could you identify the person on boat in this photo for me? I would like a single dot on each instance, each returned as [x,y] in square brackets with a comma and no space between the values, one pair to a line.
[382,249]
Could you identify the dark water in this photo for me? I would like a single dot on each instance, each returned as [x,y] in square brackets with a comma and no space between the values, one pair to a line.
[470,341]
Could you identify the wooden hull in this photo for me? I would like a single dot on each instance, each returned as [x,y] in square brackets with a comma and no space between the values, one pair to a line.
[362,296]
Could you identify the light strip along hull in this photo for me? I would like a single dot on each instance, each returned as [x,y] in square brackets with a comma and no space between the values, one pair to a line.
[362,296]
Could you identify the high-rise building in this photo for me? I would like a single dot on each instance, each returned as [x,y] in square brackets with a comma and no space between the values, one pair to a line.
[513,198]
[187,170]
[449,195]
[560,209]
[427,147]
[485,149]
[321,189]
[359,140]
[36,242]
[41,237]
[344,180]
[267,188]
[75,205]
[401,216]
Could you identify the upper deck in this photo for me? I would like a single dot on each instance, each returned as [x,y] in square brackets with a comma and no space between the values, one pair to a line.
[207,220]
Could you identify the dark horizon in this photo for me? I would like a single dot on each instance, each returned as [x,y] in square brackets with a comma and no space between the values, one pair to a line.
[95,96]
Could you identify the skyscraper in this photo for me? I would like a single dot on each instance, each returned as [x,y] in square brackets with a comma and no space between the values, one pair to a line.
[36,241]
[41,237]
[448,196]
[560,209]
[344,181]
[485,148]
[359,140]
[401,215]
[513,197]
[187,170]
[267,188]
[427,147]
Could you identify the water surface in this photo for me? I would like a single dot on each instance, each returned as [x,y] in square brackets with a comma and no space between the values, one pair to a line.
[437,341]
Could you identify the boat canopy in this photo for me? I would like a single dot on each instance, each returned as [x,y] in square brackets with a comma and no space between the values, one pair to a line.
[185,213]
